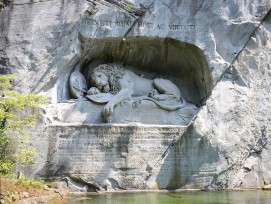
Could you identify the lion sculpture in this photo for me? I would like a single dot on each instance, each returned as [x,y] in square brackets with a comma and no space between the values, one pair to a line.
[113,84]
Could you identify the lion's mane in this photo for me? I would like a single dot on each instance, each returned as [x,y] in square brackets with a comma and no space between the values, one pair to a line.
[114,74]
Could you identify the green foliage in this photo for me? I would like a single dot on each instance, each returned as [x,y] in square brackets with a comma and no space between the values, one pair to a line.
[5,165]
[12,190]
[30,182]
[8,176]
[25,155]
[14,118]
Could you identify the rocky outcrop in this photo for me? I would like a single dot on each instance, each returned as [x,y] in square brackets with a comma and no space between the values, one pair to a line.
[217,52]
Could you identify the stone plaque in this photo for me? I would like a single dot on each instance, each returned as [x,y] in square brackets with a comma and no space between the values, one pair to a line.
[127,157]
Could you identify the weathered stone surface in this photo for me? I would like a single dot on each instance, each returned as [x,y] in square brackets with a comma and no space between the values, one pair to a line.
[240,121]
[115,156]
[50,40]
[130,111]
[216,52]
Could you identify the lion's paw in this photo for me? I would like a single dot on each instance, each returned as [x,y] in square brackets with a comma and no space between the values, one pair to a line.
[93,91]
[108,109]
[153,93]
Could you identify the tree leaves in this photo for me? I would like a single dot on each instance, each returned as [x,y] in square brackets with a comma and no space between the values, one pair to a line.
[14,118]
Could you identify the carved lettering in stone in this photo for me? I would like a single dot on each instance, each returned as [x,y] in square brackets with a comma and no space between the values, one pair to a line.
[143,24]
[85,155]
[179,27]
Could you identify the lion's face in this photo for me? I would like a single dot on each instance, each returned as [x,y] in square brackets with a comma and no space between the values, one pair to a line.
[100,80]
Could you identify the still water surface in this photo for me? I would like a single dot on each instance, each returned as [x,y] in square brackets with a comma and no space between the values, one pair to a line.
[194,197]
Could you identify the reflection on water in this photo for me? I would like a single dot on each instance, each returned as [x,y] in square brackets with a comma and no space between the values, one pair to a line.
[190,197]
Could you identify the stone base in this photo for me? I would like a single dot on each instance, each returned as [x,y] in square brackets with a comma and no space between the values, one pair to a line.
[126,157]
[145,112]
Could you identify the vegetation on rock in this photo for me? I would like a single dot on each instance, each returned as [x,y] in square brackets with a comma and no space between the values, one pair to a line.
[14,190]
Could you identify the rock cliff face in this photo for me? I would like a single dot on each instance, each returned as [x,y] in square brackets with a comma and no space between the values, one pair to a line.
[216,52]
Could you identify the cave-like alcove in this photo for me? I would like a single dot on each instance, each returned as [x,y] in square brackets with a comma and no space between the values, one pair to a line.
[182,63]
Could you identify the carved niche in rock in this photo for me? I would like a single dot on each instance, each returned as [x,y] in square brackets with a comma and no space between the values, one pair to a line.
[112,84]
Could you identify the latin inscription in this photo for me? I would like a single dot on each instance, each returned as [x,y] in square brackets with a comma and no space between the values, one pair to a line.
[125,150]
[101,149]
[139,24]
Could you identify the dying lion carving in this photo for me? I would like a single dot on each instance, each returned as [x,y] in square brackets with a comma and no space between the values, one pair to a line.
[123,84]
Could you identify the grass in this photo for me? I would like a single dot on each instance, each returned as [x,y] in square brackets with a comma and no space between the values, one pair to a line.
[12,189]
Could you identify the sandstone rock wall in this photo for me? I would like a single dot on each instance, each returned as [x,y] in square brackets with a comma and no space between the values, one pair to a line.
[227,145]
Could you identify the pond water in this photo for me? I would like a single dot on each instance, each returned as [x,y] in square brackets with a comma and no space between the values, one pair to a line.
[186,197]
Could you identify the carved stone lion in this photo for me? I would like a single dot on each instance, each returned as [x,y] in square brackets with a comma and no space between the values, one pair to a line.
[123,84]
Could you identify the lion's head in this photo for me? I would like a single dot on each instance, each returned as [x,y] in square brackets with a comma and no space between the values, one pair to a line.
[106,77]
